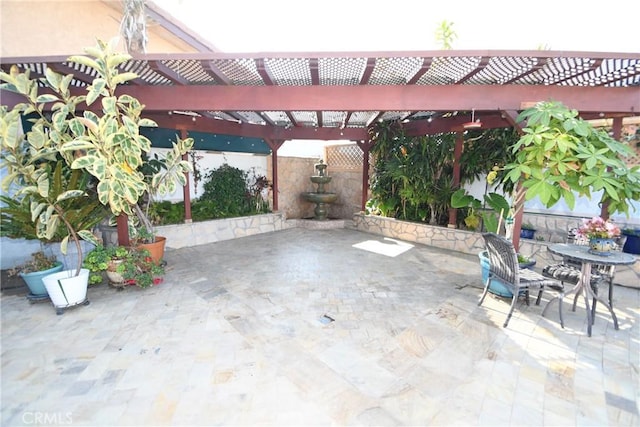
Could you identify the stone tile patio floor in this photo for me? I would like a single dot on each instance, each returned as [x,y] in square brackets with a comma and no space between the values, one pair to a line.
[301,327]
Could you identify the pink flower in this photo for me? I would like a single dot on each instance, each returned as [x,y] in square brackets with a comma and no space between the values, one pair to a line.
[598,227]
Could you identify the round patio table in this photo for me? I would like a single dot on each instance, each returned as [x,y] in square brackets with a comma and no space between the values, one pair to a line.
[581,254]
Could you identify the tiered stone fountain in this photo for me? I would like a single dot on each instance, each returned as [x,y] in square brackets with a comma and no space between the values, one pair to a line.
[320,197]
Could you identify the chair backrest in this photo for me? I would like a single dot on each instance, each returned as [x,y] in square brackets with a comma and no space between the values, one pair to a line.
[503,259]
[576,239]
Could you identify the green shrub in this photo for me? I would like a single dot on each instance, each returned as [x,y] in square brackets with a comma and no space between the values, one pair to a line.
[228,192]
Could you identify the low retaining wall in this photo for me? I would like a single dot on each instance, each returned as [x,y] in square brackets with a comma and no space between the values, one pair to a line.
[202,232]
[447,238]
[468,242]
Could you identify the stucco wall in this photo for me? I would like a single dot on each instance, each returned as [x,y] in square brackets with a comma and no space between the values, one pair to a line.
[293,180]
[63,27]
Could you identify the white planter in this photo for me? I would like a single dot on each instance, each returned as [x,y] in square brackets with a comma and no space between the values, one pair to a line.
[66,289]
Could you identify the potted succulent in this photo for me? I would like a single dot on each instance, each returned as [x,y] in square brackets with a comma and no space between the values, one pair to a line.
[32,272]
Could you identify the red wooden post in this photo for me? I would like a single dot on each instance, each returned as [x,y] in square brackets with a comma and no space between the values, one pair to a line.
[186,194]
[122,223]
[365,146]
[274,144]
[457,153]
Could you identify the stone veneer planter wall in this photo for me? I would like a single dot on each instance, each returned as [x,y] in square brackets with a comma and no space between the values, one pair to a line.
[202,232]
[468,242]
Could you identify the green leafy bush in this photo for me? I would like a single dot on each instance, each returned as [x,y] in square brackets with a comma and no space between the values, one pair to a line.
[226,188]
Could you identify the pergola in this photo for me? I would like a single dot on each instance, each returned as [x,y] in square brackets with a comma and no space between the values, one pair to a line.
[338,95]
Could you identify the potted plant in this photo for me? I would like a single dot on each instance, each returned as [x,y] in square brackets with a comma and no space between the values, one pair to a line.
[103,141]
[491,219]
[601,235]
[32,272]
[145,238]
[527,231]
[105,260]
[123,266]
[82,213]
[35,171]
[140,269]
[497,287]
[632,244]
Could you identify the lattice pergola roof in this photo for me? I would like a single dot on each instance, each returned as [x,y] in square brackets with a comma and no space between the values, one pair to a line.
[337,95]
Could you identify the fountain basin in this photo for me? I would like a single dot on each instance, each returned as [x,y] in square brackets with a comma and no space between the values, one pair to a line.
[320,179]
[320,197]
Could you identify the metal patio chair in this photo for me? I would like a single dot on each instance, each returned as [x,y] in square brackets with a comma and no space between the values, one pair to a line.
[504,267]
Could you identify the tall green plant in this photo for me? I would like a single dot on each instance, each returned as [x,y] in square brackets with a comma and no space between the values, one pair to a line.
[561,155]
[98,132]
[413,175]
[410,173]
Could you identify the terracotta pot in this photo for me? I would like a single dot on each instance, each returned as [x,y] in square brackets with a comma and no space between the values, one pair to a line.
[156,249]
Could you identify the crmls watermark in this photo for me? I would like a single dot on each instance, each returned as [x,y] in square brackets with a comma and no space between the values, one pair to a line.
[47,418]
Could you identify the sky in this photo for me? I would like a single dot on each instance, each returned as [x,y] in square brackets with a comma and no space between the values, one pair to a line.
[374,25]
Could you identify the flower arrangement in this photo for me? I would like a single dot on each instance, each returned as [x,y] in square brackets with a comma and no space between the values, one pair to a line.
[597,227]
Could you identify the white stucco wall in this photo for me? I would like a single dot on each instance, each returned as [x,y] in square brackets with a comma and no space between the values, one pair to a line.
[584,208]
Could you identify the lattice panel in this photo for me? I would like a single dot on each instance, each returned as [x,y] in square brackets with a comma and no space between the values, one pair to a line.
[341,71]
[346,157]
[394,71]
[289,71]
[144,71]
[191,70]
[634,160]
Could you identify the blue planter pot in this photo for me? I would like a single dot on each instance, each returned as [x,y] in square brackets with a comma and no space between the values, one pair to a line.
[34,281]
[601,246]
[527,233]
[632,245]
[497,287]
